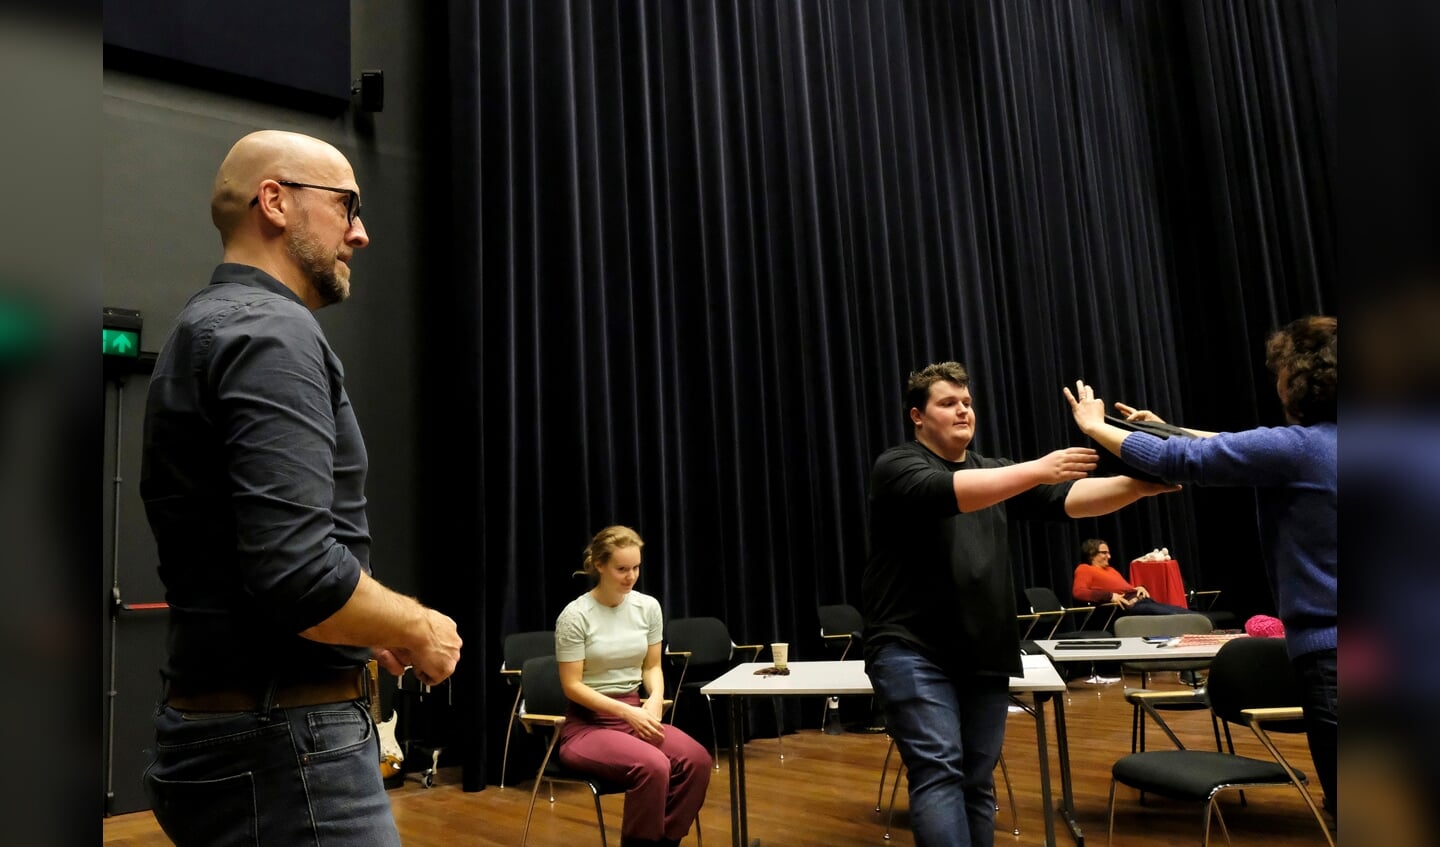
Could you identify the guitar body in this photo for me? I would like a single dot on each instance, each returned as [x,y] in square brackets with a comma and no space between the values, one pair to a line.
[391,756]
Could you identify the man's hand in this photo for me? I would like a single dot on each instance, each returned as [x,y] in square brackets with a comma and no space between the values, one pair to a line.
[435,660]
[1067,463]
[1133,414]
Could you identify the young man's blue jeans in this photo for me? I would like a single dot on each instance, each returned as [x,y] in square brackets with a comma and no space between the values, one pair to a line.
[949,731]
[308,775]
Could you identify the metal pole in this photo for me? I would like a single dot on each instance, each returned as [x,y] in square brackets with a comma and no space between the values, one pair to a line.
[116,480]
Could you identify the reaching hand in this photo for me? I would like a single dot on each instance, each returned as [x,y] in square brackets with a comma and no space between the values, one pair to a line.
[1089,410]
[1133,414]
[1068,463]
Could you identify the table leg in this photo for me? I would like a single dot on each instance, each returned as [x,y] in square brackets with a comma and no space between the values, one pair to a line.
[1044,752]
[739,825]
[1062,748]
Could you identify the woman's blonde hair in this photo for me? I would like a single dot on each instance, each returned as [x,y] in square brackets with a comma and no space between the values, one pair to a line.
[604,545]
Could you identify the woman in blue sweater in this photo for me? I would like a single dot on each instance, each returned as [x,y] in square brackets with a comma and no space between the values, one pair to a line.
[1293,471]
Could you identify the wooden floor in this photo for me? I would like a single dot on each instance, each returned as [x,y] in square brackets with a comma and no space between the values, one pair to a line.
[823,795]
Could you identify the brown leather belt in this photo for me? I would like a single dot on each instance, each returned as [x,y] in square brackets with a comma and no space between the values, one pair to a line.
[335,686]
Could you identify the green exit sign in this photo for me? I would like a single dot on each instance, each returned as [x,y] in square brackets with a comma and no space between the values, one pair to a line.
[120,342]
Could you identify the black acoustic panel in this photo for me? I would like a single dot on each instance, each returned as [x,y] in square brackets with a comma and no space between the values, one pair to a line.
[257,48]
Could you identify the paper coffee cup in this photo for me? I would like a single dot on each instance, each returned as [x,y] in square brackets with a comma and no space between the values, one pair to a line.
[780,652]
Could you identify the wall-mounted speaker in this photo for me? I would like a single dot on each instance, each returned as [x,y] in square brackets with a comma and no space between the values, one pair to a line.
[370,88]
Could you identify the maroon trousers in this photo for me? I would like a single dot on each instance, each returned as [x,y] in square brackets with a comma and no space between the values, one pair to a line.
[665,784]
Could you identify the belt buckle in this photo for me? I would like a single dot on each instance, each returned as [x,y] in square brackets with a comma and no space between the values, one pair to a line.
[371,684]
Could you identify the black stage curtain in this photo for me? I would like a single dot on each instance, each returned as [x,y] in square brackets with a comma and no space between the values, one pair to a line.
[699,245]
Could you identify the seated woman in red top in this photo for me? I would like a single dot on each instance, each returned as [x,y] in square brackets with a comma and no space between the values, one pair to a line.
[1097,582]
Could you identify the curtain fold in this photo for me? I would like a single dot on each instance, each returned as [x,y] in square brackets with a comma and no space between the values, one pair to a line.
[702,244]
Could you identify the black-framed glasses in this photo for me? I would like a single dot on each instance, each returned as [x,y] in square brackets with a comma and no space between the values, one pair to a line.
[352,197]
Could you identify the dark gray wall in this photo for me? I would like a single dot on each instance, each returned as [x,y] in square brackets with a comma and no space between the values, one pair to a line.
[161,143]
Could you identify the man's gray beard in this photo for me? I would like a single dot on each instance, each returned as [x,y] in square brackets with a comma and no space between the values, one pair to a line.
[317,265]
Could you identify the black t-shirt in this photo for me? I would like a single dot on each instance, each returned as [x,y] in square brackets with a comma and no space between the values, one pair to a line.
[939,580]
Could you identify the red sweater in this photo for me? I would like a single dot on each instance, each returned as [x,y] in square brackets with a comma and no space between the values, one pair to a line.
[1094,584]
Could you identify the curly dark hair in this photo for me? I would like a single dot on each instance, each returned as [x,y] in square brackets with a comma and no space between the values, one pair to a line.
[1302,354]
[1089,547]
[917,387]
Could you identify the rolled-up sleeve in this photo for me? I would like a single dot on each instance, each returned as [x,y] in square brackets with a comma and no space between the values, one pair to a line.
[275,401]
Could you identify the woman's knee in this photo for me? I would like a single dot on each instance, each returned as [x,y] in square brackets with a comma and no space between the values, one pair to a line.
[680,748]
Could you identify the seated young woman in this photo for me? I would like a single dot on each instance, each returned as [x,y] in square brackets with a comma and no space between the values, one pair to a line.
[1097,582]
[607,646]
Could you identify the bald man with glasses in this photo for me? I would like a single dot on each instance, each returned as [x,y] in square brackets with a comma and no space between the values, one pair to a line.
[253,479]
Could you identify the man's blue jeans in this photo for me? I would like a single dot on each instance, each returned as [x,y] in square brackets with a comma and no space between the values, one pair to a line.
[949,731]
[308,775]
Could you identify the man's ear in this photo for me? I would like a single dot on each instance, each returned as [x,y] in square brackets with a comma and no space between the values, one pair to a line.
[271,201]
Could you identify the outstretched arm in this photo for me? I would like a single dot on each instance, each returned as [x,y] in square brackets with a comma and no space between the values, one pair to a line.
[977,488]
[1091,497]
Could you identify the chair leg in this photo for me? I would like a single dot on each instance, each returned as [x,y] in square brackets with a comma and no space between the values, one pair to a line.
[884,768]
[505,757]
[530,812]
[1224,830]
[894,789]
[1294,780]
[714,736]
[1010,795]
[599,817]
[1110,835]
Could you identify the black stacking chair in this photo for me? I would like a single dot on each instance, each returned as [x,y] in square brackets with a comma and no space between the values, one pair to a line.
[1251,683]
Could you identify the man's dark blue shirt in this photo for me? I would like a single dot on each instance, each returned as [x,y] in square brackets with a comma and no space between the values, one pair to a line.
[253,479]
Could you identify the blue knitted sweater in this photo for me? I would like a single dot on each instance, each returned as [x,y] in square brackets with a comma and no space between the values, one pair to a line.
[1293,471]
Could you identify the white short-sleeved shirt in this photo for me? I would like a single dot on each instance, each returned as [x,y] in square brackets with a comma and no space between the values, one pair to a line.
[610,641]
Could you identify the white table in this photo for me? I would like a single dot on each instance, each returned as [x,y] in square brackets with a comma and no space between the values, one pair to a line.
[1132,649]
[1041,680]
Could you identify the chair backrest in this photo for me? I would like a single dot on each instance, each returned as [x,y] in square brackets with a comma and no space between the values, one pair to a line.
[1042,599]
[543,694]
[707,640]
[520,646]
[841,619]
[1131,626]
[1254,673]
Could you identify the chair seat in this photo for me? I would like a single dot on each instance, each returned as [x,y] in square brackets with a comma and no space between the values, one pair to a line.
[555,770]
[1194,774]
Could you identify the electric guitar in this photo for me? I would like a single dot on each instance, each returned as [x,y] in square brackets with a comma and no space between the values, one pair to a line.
[391,756]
